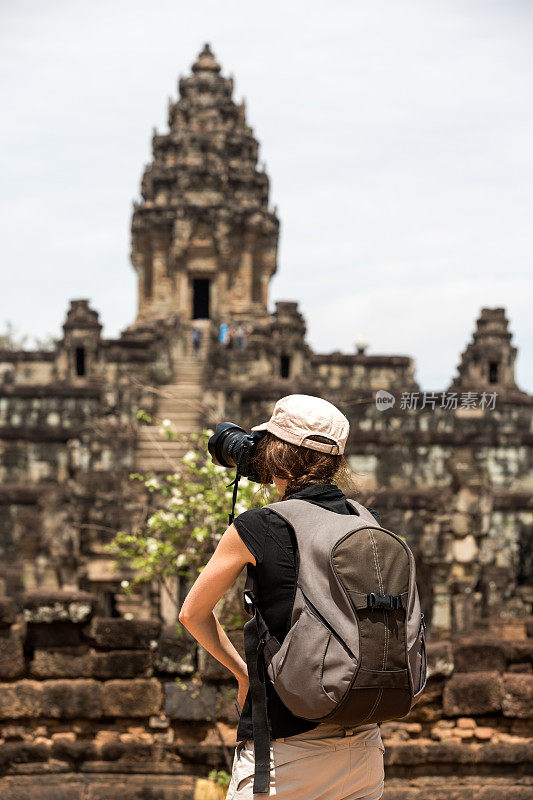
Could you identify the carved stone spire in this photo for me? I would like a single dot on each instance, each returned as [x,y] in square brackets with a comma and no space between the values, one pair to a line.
[204,240]
[488,361]
[206,61]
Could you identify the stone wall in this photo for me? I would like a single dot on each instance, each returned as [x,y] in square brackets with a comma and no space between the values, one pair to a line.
[94,707]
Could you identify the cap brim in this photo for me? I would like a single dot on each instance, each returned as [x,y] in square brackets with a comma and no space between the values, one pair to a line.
[262,427]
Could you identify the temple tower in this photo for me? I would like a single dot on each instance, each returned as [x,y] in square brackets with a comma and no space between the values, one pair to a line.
[204,241]
[488,362]
[78,352]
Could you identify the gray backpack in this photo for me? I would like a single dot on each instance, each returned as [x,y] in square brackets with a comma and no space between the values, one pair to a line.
[355,652]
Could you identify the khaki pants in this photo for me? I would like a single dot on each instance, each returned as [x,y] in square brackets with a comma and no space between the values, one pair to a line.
[328,762]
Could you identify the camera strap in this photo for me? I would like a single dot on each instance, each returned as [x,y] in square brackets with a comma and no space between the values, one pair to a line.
[235,484]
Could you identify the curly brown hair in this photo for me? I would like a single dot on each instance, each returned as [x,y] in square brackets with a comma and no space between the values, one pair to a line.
[300,466]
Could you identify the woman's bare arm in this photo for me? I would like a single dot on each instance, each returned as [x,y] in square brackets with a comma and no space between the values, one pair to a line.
[220,572]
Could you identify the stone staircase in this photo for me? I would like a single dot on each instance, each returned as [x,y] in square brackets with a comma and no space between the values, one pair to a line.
[181,404]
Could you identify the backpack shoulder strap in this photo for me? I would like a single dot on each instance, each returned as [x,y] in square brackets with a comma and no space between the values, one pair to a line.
[307,518]
[363,512]
[298,511]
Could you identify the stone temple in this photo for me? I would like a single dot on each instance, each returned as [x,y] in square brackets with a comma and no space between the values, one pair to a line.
[455,481]
[451,470]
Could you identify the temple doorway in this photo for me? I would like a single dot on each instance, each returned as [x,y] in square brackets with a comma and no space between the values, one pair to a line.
[80,361]
[200,298]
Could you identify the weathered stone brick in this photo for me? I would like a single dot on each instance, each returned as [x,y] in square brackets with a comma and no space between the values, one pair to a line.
[479,656]
[527,668]
[75,607]
[484,733]
[429,706]
[439,659]
[69,699]
[77,750]
[473,693]
[226,697]
[520,727]
[140,787]
[15,732]
[122,664]
[21,699]
[131,698]
[211,668]
[69,662]
[23,753]
[518,695]
[42,635]
[126,750]
[176,652]
[188,701]
[125,634]
[7,612]
[407,754]
[11,653]
[519,651]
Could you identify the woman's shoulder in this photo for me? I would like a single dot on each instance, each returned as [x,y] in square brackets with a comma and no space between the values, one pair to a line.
[252,526]
[253,516]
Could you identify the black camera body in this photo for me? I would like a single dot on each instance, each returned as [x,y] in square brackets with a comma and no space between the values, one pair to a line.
[231,446]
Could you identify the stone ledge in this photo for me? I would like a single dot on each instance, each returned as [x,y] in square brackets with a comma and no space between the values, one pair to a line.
[80,662]
[479,656]
[473,693]
[98,787]
[211,669]
[124,634]
[137,697]
[176,652]
[428,753]
[81,698]
[12,664]
[187,701]
[449,789]
[518,695]
[440,661]
[8,612]
[48,607]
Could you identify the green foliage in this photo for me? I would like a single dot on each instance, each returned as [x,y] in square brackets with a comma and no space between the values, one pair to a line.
[187,513]
[221,777]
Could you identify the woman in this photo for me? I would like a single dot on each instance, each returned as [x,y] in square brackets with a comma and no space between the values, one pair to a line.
[301,452]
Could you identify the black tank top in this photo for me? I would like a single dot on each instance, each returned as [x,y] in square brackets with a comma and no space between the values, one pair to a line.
[272,542]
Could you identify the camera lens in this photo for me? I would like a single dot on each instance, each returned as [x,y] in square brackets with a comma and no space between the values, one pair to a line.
[225,445]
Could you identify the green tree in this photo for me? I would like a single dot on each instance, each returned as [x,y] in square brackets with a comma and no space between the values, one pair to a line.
[186,514]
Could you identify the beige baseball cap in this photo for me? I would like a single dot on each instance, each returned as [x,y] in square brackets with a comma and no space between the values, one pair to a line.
[298,416]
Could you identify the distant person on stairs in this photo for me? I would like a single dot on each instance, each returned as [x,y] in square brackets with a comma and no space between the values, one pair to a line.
[196,337]
[223,336]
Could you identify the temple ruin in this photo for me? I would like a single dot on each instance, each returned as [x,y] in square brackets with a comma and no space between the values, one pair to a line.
[451,470]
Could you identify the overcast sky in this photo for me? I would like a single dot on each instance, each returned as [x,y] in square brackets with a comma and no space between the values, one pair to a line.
[397,136]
